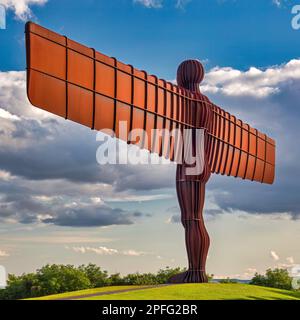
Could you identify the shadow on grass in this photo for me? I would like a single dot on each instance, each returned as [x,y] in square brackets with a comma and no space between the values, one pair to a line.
[288,294]
[248,298]
[292,294]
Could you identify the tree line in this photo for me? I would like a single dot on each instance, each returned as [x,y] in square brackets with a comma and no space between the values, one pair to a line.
[58,278]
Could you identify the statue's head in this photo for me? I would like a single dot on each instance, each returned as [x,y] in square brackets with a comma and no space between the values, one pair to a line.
[190,73]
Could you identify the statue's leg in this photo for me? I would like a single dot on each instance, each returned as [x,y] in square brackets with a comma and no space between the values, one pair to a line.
[191,195]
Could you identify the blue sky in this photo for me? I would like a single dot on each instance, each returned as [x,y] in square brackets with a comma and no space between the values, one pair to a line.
[125,218]
[235,33]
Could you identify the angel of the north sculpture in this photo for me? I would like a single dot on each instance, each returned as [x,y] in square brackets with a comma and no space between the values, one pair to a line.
[80,84]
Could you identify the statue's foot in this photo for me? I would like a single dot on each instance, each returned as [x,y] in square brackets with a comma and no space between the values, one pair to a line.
[178,278]
[189,276]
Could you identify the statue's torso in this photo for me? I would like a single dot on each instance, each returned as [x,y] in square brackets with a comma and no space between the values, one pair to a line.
[201,118]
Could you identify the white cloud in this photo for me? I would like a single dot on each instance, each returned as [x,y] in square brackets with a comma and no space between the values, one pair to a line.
[5,176]
[103,250]
[274,255]
[7,115]
[291,266]
[133,253]
[21,8]
[280,3]
[97,250]
[277,2]
[251,270]
[140,198]
[3,254]
[156,4]
[44,198]
[180,4]
[14,103]
[150,3]
[246,275]
[96,200]
[254,82]
[78,249]
[107,251]
[290,260]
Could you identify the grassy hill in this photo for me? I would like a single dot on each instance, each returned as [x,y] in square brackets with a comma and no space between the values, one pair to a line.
[208,291]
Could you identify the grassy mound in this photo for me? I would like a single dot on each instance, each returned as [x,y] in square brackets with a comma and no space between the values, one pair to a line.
[207,291]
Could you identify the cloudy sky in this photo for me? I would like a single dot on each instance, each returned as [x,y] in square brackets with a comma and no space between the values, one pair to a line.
[57,205]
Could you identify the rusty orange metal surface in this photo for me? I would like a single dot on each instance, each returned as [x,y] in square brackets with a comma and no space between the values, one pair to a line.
[85,86]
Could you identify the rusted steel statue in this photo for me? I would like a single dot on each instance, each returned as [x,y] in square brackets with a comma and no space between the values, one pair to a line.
[191,188]
[85,86]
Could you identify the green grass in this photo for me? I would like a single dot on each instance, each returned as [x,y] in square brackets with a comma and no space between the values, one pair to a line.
[83,292]
[210,291]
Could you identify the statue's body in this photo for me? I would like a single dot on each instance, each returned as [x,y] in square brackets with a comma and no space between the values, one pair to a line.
[191,188]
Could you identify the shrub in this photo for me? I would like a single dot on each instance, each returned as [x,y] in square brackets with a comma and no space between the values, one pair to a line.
[50,279]
[96,276]
[54,279]
[277,278]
